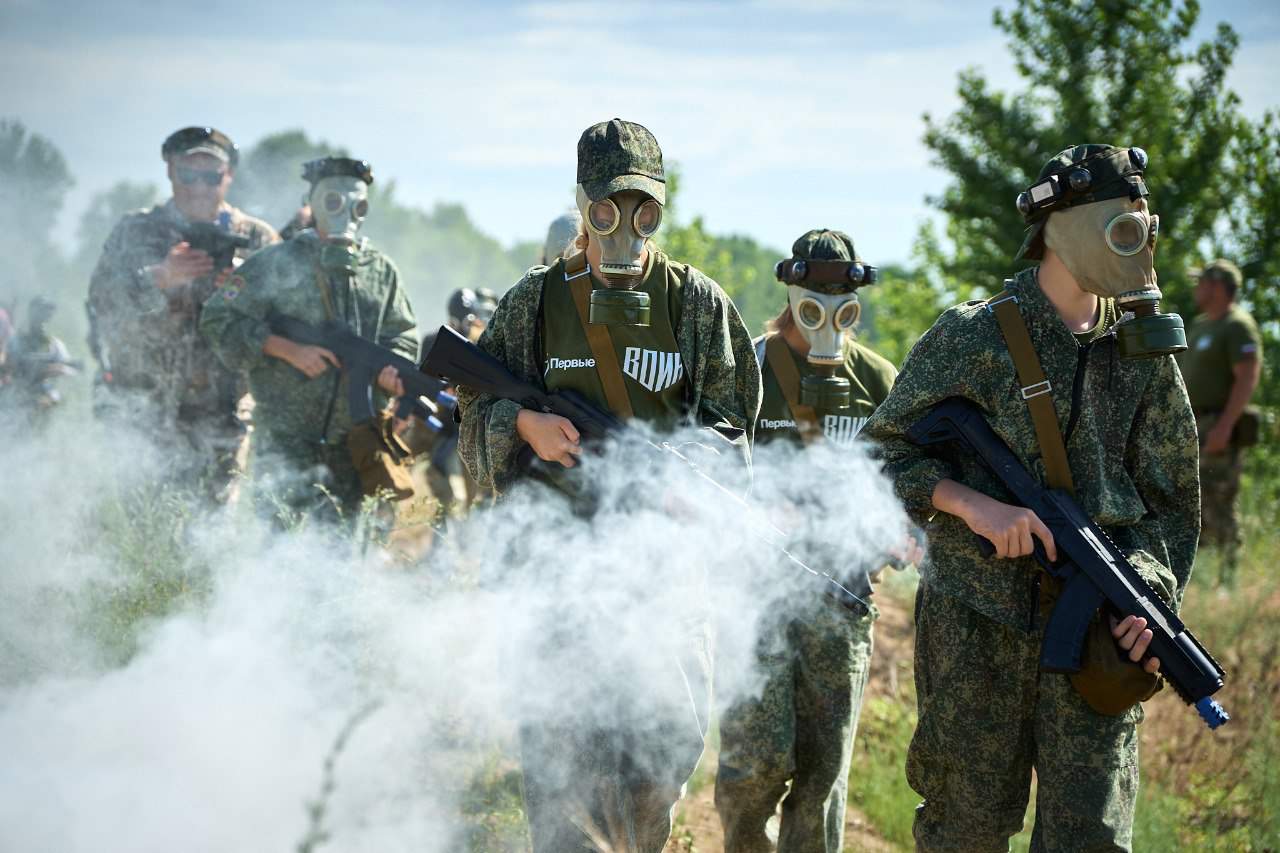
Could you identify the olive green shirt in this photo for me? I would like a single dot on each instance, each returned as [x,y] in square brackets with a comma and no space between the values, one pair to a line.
[870,377]
[1214,348]
[1128,429]
[652,367]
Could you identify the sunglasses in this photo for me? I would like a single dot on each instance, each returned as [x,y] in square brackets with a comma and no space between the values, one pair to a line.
[188,176]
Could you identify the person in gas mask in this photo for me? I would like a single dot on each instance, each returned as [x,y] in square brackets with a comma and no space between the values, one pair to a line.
[302,438]
[648,338]
[145,294]
[562,235]
[820,385]
[1091,402]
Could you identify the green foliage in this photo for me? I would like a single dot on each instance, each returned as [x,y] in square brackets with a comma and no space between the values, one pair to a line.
[35,178]
[877,785]
[492,810]
[105,210]
[1095,71]
[740,265]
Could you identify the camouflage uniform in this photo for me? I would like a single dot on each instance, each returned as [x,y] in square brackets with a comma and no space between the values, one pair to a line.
[988,716]
[1214,348]
[301,424]
[148,342]
[800,728]
[611,770]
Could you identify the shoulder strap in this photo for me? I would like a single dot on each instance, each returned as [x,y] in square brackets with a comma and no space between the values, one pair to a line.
[1036,389]
[577,274]
[778,354]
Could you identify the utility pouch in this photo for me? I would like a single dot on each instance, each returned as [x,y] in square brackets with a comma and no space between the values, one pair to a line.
[1248,427]
[1108,680]
[380,458]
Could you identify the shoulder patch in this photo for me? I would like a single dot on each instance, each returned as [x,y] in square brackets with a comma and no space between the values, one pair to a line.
[231,288]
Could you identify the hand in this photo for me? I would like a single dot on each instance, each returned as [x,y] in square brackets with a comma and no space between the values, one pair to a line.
[1009,528]
[553,438]
[389,380]
[1133,636]
[1218,439]
[182,265]
[908,552]
[311,360]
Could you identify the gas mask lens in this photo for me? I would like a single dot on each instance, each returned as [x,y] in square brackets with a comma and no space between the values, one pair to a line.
[1128,233]
[647,218]
[603,216]
[847,314]
[361,209]
[333,201]
[810,314]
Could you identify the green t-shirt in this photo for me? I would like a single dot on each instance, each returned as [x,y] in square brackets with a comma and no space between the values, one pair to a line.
[1214,347]
[649,356]
[870,377]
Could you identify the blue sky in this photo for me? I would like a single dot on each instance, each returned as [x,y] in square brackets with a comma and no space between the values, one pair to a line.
[782,116]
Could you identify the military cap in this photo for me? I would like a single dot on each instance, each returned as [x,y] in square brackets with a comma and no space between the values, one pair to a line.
[201,140]
[328,167]
[1082,174]
[825,261]
[1221,270]
[620,155]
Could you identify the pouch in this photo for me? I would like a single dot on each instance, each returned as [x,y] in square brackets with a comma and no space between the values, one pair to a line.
[380,458]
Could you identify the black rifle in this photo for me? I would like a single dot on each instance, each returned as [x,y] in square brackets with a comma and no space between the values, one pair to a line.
[362,360]
[1095,573]
[215,241]
[455,359]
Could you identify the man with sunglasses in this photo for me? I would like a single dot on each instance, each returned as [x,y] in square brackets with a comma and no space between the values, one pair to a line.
[144,304]
[1070,363]
[648,338]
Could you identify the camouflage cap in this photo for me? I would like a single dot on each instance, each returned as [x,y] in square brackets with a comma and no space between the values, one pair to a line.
[620,155]
[1220,270]
[1081,174]
[825,261]
[201,140]
[328,167]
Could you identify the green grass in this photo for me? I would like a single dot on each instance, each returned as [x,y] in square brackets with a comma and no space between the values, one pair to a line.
[877,784]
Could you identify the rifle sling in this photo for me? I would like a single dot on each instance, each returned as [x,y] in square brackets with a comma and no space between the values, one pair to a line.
[1036,389]
[778,356]
[576,275]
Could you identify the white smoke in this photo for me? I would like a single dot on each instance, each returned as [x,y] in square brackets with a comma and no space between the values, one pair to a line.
[213,735]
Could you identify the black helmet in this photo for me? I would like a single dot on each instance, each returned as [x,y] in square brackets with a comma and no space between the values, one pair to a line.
[467,305]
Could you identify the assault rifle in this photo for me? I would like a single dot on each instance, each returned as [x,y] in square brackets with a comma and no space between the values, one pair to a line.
[362,360]
[215,241]
[460,362]
[1095,573]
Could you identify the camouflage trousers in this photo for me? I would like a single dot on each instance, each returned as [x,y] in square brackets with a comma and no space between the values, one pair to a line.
[1219,508]
[607,775]
[988,718]
[303,478]
[798,730]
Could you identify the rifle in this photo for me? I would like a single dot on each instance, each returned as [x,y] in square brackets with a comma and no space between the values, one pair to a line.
[1095,573]
[362,360]
[215,241]
[455,359]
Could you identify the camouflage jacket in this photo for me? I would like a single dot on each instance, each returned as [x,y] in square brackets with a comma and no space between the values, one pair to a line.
[723,376]
[1130,436]
[286,278]
[148,337]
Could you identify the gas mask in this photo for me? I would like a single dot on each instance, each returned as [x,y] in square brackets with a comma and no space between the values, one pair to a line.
[339,204]
[824,306]
[622,224]
[1109,247]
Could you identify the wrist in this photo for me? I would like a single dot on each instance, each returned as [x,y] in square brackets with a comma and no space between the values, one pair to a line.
[155,274]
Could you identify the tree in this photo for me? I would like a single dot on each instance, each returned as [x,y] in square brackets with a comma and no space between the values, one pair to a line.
[1116,71]
[34,180]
